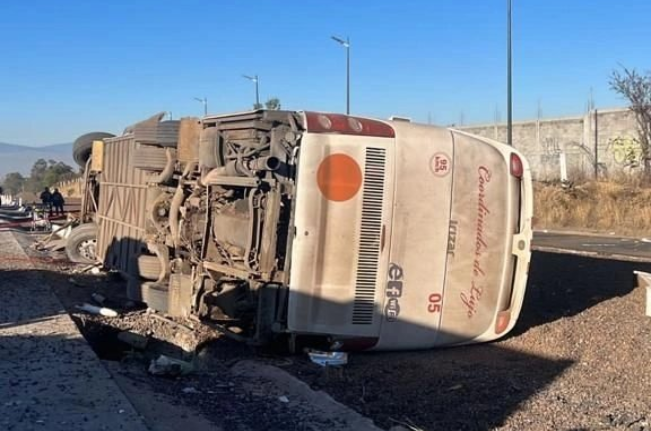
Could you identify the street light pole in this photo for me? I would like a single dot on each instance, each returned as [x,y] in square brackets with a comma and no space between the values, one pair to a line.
[509,67]
[204,101]
[255,80]
[346,44]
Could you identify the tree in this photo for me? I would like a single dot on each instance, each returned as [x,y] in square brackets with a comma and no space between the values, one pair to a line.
[273,103]
[13,183]
[636,88]
[57,171]
[46,174]
[38,170]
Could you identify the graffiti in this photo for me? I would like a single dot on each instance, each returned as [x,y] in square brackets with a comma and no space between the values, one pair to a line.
[551,146]
[626,151]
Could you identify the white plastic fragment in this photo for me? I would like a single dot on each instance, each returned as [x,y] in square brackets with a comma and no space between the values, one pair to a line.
[328,358]
[93,309]
[166,366]
[644,281]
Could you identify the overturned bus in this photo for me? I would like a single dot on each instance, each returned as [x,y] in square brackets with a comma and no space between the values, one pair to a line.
[350,232]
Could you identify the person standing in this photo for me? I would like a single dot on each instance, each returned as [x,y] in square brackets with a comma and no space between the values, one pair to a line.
[57,202]
[46,199]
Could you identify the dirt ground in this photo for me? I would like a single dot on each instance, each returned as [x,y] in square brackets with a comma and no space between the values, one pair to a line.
[578,359]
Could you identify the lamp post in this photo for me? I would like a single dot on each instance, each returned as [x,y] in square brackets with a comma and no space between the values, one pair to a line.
[255,80]
[509,100]
[204,101]
[346,44]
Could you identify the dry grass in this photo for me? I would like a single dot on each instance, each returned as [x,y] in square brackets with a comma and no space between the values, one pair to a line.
[623,207]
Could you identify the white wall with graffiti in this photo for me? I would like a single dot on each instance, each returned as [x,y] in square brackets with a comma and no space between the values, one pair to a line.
[603,140]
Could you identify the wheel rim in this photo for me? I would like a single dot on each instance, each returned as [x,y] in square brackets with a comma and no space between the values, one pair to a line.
[87,249]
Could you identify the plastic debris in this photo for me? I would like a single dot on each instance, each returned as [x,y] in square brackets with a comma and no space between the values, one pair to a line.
[93,309]
[644,282]
[190,390]
[94,270]
[134,340]
[283,399]
[166,366]
[328,358]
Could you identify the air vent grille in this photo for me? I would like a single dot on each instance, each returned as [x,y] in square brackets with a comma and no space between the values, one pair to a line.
[370,234]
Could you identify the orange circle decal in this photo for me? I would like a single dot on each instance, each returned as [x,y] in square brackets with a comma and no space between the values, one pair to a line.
[339,177]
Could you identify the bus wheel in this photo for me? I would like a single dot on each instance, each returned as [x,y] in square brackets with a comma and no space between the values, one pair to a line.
[155,296]
[82,243]
[83,146]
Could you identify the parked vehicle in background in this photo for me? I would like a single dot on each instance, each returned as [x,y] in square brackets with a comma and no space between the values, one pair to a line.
[320,228]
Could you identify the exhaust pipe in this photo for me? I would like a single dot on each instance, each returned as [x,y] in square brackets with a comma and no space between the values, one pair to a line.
[236,168]
[270,163]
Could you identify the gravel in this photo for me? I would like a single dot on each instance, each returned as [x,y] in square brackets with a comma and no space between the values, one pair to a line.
[578,359]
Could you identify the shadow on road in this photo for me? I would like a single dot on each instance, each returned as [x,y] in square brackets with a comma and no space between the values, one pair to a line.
[466,388]
[563,285]
[475,387]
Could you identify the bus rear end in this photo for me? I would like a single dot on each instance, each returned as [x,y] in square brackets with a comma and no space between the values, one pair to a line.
[407,236]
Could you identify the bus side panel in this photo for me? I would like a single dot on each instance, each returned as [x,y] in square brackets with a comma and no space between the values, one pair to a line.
[479,267]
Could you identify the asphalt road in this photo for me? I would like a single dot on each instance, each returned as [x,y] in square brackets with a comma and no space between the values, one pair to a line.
[596,246]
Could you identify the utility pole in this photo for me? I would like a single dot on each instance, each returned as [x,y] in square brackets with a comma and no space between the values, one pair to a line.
[256,81]
[346,44]
[596,144]
[509,101]
[538,116]
[496,120]
[205,104]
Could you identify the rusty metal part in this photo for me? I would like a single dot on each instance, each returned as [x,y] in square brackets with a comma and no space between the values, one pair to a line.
[175,207]
[189,168]
[233,181]
[180,295]
[188,144]
[228,270]
[162,253]
[209,144]
[168,171]
[268,163]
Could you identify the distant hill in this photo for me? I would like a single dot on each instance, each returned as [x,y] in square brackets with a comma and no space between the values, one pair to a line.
[20,158]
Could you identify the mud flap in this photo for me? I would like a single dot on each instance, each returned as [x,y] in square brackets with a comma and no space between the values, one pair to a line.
[272,300]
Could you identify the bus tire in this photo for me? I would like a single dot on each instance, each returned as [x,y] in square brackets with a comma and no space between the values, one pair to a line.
[81,244]
[155,296]
[83,146]
[149,267]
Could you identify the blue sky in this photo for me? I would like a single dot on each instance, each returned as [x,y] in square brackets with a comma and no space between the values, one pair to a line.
[69,67]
